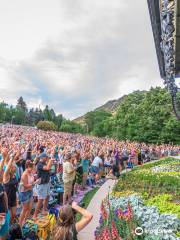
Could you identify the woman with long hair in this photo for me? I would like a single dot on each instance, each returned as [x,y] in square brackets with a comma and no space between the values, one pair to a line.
[66,227]
[11,186]
[4,212]
[26,192]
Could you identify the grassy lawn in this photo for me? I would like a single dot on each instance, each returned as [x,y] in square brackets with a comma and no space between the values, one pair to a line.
[86,200]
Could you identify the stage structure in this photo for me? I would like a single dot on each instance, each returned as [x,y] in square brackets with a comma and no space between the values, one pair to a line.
[165,20]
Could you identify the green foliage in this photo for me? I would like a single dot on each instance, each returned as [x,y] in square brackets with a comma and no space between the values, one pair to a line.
[144,116]
[97,123]
[164,203]
[86,200]
[34,116]
[144,180]
[72,127]
[20,114]
[49,114]
[46,126]
[21,104]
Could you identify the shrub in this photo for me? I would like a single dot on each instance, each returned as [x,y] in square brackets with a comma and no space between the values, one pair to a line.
[46,126]
[164,203]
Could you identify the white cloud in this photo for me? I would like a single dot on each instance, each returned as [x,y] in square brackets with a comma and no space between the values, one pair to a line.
[75,55]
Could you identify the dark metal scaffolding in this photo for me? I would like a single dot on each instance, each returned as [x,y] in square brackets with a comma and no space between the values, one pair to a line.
[165,20]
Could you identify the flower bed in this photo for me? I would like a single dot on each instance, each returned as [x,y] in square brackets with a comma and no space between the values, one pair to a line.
[167,168]
[145,180]
[116,223]
[145,199]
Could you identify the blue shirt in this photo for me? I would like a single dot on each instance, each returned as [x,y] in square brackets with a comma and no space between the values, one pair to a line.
[85,165]
[16,173]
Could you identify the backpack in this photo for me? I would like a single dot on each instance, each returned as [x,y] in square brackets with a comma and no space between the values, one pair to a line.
[54,211]
[44,227]
[15,232]
[30,231]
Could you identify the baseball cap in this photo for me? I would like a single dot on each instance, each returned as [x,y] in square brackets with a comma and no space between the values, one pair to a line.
[43,155]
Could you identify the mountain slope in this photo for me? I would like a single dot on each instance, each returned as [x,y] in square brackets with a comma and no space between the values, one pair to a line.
[110,106]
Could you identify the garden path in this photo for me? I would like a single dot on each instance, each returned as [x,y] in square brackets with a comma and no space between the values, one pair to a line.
[94,207]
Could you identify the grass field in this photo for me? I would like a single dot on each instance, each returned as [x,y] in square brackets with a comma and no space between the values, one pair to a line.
[86,200]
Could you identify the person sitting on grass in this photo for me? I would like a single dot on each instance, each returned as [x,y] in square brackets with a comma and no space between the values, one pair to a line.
[66,227]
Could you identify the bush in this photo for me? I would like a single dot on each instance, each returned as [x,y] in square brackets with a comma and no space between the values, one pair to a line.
[46,126]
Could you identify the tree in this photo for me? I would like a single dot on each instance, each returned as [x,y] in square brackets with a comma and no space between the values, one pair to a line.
[47,114]
[21,104]
[144,117]
[18,116]
[58,120]
[93,119]
[46,126]
[72,127]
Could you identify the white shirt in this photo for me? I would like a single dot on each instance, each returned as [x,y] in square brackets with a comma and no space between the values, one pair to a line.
[97,161]
[68,173]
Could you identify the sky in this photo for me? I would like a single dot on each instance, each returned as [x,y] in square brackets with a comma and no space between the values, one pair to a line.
[75,55]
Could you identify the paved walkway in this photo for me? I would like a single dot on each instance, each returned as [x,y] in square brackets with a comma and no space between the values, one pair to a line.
[94,207]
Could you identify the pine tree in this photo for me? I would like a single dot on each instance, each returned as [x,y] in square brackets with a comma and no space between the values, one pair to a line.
[21,104]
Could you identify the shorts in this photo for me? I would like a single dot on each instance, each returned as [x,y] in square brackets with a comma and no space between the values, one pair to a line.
[5,228]
[25,197]
[68,187]
[94,169]
[43,190]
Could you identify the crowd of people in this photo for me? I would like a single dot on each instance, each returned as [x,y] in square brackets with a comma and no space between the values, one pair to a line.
[28,155]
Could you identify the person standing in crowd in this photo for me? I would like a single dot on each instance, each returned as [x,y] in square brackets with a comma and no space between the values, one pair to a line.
[43,188]
[69,172]
[56,153]
[4,214]
[66,227]
[26,192]
[117,166]
[60,162]
[79,173]
[85,165]
[96,165]
[11,186]
[4,211]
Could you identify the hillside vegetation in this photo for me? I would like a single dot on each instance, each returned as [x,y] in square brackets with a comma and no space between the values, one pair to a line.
[110,106]
[144,116]
[141,116]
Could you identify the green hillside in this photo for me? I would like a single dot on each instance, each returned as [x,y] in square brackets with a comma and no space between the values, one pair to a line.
[145,116]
